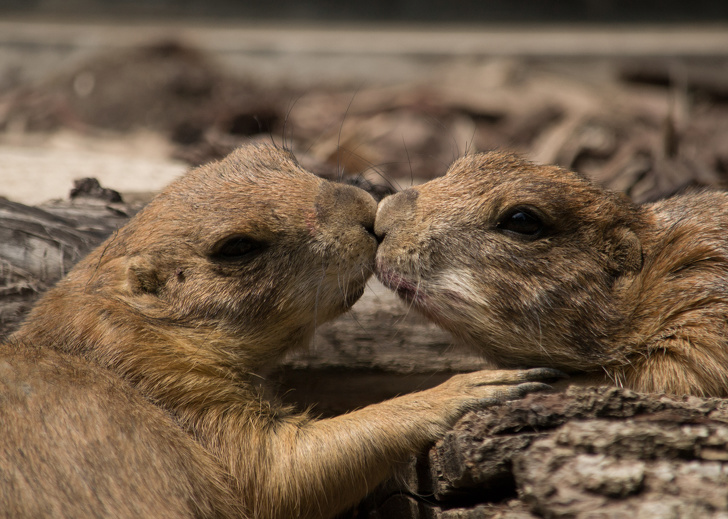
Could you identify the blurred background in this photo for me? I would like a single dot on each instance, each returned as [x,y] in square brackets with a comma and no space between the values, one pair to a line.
[407,11]
[387,92]
[382,94]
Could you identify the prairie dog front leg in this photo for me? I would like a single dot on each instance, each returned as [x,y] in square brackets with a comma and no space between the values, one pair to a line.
[330,464]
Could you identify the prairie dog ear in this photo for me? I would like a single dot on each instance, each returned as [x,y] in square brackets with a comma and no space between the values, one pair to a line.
[143,276]
[624,251]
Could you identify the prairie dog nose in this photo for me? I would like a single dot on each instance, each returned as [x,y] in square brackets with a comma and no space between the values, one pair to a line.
[393,210]
[346,205]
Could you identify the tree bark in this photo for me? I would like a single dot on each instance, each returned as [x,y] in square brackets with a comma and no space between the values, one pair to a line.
[585,451]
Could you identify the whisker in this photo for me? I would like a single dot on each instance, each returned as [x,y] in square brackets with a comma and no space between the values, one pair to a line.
[471,144]
[377,169]
[356,320]
[316,302]
[341,129]
[114,236]
[409,161]
[339,282]
[285,123]
[412,303]
[449,131]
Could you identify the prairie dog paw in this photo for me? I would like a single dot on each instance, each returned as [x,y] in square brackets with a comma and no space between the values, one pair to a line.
[504,394]
[507,377]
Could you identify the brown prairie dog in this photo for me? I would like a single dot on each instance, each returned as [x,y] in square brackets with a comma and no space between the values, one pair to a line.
[133,388]
[536,266]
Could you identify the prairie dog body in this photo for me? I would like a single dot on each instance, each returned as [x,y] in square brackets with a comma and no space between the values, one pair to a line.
[133,388]
[536,266]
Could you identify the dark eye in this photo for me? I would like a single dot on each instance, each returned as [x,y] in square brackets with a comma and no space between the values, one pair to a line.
[521,221]
[237,248]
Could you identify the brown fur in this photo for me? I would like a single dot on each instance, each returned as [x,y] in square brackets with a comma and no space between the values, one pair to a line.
[133,389]
[637,292]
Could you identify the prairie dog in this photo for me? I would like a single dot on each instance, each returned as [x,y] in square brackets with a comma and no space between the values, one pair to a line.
[534,265]
[133,387]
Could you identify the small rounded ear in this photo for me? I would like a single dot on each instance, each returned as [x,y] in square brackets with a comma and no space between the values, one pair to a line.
[142,276]
[624,252]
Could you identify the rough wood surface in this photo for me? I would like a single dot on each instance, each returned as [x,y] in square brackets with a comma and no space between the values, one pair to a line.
[588,452]
[41,244]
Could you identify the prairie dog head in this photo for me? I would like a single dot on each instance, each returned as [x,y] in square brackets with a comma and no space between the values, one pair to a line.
[250,252]
[522,262]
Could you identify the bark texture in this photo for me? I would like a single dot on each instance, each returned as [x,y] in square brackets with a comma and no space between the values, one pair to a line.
[586,452]
[41,244]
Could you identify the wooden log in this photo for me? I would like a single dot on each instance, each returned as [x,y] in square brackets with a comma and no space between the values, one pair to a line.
[41,244]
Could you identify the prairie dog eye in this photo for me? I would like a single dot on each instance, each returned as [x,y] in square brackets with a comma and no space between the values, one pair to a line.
[522,221]
[237,248]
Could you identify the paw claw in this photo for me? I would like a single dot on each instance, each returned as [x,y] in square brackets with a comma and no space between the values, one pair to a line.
[545,374]
[524,389]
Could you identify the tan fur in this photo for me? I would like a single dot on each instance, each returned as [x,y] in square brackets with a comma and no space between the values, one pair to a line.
[639,293]
[133,389]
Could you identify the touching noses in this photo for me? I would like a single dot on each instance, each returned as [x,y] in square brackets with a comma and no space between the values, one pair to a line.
[393,211]
[348,206]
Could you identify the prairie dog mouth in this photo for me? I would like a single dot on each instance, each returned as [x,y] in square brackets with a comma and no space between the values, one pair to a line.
[407,290]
